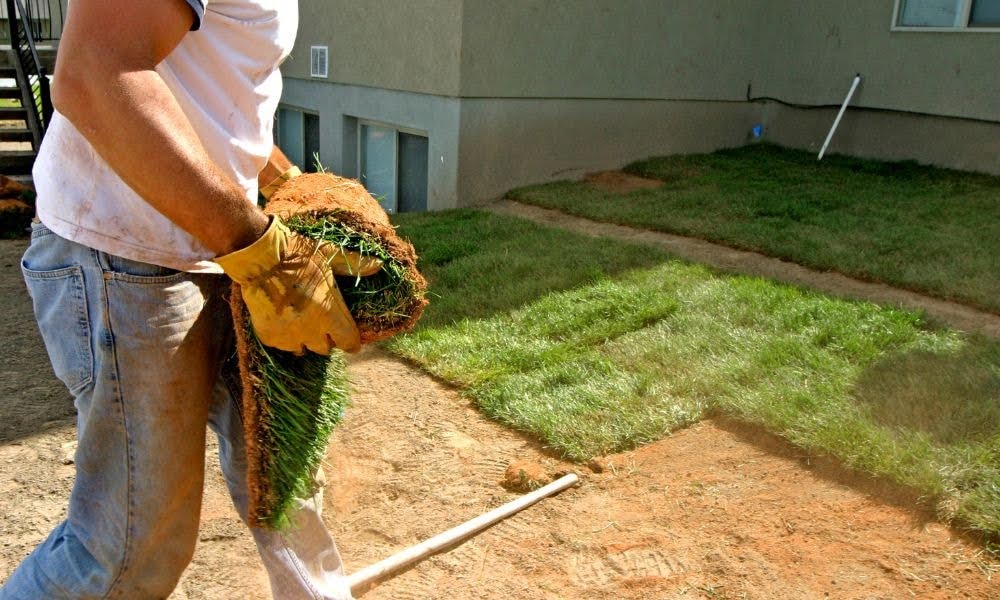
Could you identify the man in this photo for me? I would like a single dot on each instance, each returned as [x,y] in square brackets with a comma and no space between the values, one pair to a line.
[147,183]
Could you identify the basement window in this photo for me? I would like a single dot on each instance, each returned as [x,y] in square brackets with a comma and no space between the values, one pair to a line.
[946,15]
[296,132]
[392,165]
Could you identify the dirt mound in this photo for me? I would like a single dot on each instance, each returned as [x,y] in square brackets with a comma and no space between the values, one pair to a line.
[524,476]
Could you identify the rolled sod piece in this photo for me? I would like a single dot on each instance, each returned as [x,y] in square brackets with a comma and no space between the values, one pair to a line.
[291,403]
[341,211]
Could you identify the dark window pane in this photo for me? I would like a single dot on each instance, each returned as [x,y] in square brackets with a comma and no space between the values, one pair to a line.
[985,13]
[412,173]
[311,142]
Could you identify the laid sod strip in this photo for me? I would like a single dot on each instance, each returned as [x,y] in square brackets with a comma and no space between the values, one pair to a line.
[644,344]
[933,230]
[299,401]
[482,266]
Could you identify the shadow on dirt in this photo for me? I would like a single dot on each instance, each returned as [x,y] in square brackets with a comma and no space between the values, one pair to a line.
[829,468]
[34,401]
[879,489]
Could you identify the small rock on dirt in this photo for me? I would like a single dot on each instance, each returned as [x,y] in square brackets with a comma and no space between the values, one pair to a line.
[524,476]
[69,453]
[599,464]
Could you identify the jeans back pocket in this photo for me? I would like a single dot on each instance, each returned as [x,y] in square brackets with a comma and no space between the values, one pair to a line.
[60,303]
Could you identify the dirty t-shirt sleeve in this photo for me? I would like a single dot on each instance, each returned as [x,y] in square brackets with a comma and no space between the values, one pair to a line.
[198,7]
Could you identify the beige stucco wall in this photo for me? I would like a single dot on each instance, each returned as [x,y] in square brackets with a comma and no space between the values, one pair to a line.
[607,49]
[816,47]
[943,141]
[411,45]
[799,51]
[505,143]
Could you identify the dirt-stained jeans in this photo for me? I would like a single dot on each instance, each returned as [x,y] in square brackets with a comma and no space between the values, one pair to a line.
[143,351]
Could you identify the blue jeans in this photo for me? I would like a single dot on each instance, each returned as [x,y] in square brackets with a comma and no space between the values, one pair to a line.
[147,354]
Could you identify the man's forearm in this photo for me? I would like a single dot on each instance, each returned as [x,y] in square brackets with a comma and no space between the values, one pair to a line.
[115,98]
[157,153]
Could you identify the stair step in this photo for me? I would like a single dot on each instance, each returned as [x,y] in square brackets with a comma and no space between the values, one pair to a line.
[23,179]
[17,162]
[10,93]
[15,135]
[8,73]
[13,113]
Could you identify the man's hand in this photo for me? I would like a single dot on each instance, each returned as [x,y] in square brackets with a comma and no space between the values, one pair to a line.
[288,285]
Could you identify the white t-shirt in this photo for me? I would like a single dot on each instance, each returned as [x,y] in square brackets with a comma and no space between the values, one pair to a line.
[225,76]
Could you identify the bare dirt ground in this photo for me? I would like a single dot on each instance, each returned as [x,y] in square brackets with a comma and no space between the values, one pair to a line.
[714,511]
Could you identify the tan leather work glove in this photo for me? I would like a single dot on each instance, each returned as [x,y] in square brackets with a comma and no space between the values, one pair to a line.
[288,285]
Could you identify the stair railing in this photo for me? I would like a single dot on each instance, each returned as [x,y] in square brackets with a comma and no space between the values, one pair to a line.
[46,18]
[31,77]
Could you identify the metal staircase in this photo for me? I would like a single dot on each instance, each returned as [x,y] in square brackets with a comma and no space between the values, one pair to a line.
[25,101]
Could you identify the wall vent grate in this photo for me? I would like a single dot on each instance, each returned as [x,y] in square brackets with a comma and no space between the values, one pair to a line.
[319,61]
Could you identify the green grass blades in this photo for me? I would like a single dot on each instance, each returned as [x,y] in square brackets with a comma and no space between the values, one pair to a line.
[481,265]
[594,346]
[382,300]
[923,228]
[301,399]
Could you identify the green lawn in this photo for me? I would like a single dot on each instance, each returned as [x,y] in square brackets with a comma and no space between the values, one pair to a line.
[923,228]
[595,346]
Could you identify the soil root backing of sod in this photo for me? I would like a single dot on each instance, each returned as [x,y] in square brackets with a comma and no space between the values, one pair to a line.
[292,403]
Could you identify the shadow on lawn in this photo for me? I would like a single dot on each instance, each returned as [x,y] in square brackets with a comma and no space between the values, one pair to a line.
[480,264]
[950,397]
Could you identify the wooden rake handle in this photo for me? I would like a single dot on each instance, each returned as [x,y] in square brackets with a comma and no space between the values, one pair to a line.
[404,558]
